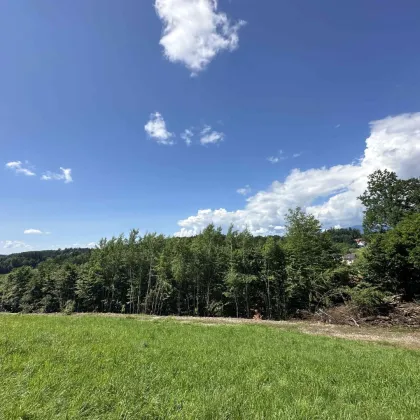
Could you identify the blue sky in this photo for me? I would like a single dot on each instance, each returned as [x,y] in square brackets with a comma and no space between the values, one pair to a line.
[80,80]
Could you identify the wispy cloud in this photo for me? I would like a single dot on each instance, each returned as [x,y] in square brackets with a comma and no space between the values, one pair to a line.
[245,190]
[212,138]
[277,158]
[296,155]
[156,129]
[17,166]
[338,126]
[88,245]
[194,32]
[208,136]
[187,136]
[65,176]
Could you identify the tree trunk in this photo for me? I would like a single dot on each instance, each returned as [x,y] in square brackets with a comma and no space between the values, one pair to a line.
[247,300]
[149,283]
[208,299]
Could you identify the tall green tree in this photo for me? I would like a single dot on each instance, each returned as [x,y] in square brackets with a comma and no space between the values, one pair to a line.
[392,259]
[14,287]
[310,253]
[388,200]
[274,277]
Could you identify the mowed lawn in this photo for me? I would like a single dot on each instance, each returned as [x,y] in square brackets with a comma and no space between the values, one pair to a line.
[75,367]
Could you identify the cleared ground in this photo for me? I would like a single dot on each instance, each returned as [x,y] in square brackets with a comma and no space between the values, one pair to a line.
[98,367]
[398,336]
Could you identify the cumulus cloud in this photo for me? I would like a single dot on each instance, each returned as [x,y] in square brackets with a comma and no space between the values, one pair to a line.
[65,176]
[187,136]
[244,191]
[194,32]
[209,136]
[156,129]
[393,144]
[15,244]
[17,166]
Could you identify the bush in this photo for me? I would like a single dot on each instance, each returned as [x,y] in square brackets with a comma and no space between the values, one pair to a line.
[367,300]
[69,307]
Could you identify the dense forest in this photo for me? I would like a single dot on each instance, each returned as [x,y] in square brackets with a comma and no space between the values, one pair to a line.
[33,258]
[233,273]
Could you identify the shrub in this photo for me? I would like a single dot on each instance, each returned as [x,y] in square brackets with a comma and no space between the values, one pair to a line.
[367,300]
[69,307]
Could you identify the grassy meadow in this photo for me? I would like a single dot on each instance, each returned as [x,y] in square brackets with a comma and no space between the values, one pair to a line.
[95,367]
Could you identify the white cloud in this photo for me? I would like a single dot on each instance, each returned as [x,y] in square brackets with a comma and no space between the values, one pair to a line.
[17,167]
[194,32]
[156,129]
[244,191]
[33,232]
[276,159]
[64,175]
[210,137]
[88,245]
[184,233]
[296,155]
[206,129]
[187,136]
[75,245]
[15,244]
[393,144]
[338,126]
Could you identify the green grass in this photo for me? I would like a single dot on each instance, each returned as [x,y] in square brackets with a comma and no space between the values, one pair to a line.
[57,367]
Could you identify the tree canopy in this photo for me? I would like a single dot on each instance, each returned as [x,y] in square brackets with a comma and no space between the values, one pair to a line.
[388,200]
[232,273]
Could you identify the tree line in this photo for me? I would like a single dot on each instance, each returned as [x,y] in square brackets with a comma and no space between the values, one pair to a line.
[235,273]
[33,258]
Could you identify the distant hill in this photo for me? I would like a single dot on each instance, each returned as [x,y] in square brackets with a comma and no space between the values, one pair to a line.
[33,258]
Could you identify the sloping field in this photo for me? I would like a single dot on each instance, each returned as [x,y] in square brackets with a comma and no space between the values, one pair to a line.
[95,367]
